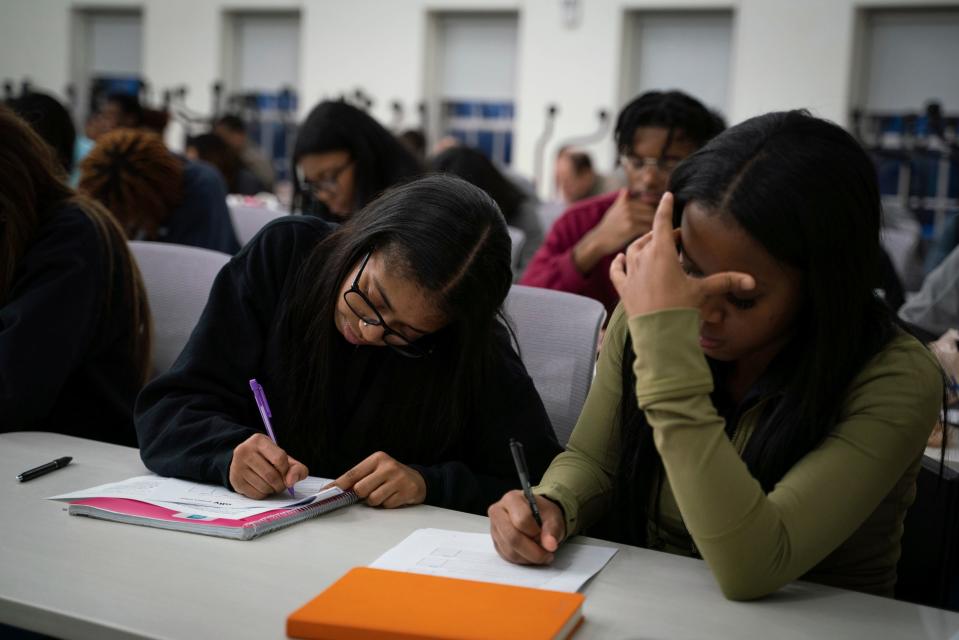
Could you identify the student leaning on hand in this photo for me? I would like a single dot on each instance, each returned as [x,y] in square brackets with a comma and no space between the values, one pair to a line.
[755,403]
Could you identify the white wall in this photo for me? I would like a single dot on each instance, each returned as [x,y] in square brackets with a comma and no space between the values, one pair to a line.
[267,51]
[685,50]
[115,43]
[785,53]
[477,56]
[909,57]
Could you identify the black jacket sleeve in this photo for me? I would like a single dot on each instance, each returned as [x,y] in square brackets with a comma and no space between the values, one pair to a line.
[190,418]
[50,316]
[513,409]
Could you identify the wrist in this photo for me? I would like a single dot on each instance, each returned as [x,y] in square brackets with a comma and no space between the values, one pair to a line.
[587,253]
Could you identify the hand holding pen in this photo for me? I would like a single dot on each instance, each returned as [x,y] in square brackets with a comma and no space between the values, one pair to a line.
[260,468]
[526,528]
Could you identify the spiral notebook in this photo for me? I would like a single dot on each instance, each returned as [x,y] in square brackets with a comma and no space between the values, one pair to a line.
[182,505]
[151,515]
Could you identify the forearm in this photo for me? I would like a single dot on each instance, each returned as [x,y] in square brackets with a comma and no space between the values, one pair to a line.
[756,542]
[581,489]
[588,253]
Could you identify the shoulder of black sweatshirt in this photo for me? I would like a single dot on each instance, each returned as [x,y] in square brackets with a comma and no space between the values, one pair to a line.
[191,418]
[65,362]
[203,218]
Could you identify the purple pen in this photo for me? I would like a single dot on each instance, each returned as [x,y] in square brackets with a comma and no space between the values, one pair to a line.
[265,413]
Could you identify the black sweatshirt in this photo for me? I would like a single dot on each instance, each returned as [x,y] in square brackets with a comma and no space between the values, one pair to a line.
[190,419]
[65,351]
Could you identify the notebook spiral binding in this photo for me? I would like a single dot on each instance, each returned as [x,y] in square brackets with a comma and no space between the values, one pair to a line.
[284,519]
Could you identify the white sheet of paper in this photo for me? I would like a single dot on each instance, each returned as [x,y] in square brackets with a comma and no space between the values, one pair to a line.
[471,556]
[203,499]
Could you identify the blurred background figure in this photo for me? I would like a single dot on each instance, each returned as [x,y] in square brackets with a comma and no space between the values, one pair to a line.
[576,179]
[343,159]
[518,207]
[212,149]
[74,321]
[156,195]
[119,111]
[232,130]
[51,120]
[415,142]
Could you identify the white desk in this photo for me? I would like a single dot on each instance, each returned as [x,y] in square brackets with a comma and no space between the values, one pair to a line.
[84,578]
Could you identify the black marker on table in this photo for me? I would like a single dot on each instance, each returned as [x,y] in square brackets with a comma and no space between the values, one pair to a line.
[43,469]
[519,459]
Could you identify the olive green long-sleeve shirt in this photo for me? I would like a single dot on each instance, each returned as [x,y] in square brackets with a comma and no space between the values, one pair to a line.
[835,517]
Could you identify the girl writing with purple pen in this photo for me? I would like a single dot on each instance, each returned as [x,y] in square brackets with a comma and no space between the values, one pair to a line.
[379,347]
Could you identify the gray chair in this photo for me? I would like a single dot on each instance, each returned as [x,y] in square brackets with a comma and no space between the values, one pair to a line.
[178,280]
[247,221]
[557,335]
[517,238]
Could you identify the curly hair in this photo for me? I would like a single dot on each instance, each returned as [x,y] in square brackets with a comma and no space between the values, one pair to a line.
[134,175]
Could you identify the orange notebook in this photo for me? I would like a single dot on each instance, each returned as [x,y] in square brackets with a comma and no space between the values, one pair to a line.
[368,604]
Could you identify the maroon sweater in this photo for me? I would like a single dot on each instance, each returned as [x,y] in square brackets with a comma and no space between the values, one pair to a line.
[552,265]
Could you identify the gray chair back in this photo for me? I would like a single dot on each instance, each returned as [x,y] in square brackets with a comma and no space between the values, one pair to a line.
[557,334]
[247,221]
[517,238]
[178,280]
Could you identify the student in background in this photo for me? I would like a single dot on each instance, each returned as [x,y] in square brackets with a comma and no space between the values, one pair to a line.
[935,307]
[518,208]
[51,121]
[120,111]
[343,159]
[211,149]
[415,143]
[379,347]
[654,133]
[575,177]
[232,129]
[74,321]
[755,401]
[156,195]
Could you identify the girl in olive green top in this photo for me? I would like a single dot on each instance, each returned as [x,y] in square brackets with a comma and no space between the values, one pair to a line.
[755,402]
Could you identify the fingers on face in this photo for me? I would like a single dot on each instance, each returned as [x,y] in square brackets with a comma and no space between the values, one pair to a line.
[638,244]
[663,221]
[727,282]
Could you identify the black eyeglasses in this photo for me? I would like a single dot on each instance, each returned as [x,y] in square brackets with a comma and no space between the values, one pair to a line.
[328,184]
[361,306]
[635,163]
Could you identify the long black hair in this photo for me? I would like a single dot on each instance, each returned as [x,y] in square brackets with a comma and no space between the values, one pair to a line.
[807,192]
[476,168]
[449,238]
[380,161]
[51,120]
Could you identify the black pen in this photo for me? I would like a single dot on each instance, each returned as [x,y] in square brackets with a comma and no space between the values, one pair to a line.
[36,472]
[519,459]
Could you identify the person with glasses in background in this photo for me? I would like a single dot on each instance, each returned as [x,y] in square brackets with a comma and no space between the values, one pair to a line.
[654,133]
[343,159]
[380,348]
